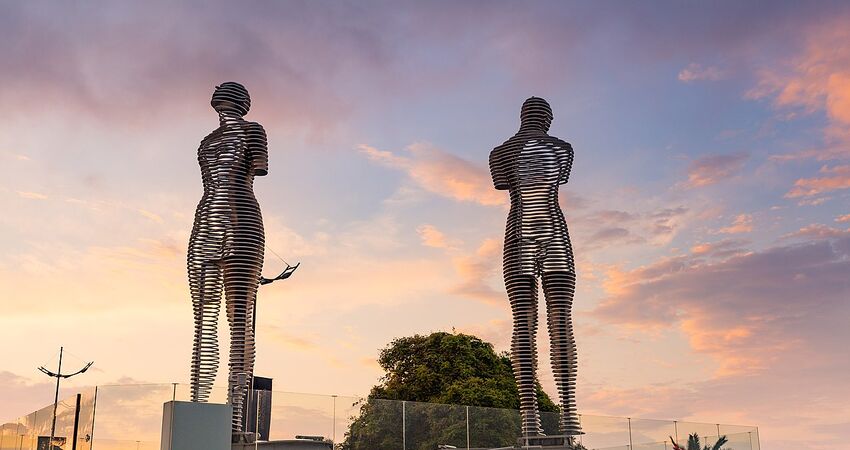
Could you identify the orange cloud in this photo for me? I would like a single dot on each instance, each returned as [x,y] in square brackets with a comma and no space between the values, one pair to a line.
[712,169]
[843,219]
[477,269]
[743,223]
[432,237]
[31,195]
[817,231]
[744,310]
[818,79]
[720,249]
[442,173]
[836,178]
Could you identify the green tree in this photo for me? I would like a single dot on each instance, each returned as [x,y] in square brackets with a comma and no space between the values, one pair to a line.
[695,444]
[435,374]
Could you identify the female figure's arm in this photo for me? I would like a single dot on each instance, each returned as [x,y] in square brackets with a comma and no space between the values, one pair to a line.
[258,151]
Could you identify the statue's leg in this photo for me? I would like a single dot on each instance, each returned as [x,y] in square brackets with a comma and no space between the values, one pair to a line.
[241,281]
[522,293]
[205,284]
[559,288]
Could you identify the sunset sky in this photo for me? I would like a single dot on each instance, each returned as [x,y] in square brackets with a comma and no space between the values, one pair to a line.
[709,202]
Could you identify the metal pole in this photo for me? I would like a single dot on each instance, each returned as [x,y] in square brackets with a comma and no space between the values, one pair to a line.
[404,425]
[56,400]
[467,428]
[93,412]
[173,392]
[630,432]
[334,424]
[676,430]
[76,422]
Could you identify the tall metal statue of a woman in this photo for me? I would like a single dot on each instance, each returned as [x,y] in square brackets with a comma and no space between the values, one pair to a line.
[226,246]
[532,165]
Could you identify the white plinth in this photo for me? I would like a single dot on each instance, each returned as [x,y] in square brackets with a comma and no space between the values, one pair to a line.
[196,426]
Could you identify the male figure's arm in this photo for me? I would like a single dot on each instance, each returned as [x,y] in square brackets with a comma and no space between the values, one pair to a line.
[565,157]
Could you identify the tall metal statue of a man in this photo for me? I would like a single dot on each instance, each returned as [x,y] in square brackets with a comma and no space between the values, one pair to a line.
[532,165]
[226,246]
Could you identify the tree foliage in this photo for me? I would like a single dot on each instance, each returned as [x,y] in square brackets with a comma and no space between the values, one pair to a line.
[434,375]
[695,444]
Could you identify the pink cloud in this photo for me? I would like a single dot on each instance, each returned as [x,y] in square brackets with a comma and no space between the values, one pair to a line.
[817,231]
[441,173]
[712,169]
[743,223]
[696,72]
[744,310]
[477,270]
[432,237]
[720,249]
[815,80]
[833,179]
[843,219]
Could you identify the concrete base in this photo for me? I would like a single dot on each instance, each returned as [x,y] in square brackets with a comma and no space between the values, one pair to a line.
[291,444]
[196,426]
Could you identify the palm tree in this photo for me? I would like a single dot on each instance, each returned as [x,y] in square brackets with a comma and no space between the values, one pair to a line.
[694,443]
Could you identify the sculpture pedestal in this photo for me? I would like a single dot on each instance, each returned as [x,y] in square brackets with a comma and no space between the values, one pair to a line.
[189,426]
[560,442]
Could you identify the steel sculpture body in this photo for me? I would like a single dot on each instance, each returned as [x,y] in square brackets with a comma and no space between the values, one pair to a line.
[226,246]
[532,165]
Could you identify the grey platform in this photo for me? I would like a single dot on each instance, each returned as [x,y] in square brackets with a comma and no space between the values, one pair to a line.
[194,426]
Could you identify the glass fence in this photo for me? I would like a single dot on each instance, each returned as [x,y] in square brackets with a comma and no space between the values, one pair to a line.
[129,417]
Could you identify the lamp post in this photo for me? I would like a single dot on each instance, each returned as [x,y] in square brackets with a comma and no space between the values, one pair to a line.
[58,375]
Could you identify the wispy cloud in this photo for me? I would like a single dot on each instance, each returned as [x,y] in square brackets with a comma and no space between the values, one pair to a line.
[441,173]
[832,179]
[432,237]
[745,310]
[31,195]
[711,169]
[476,271]
[696,72]
[743,223]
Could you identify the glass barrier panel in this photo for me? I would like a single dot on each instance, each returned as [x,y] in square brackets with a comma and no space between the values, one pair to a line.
[84,430]
[7,435]
[685,429]
[376,425]
[493,427]
[346,410]
[651,431]
[130,412]
[653,446]
[114,444]
[301,415]
[734,441]
[603,432]
[430,425]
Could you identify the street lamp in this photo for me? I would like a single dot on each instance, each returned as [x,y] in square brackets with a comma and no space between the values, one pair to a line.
[58,375]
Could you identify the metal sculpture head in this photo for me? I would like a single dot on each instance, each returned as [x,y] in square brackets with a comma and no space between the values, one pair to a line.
[536,114]
[231,97]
